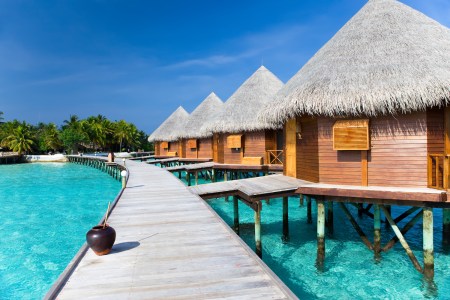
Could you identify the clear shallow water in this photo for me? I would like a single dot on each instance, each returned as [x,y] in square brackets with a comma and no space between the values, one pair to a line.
[45,211]
[350,270]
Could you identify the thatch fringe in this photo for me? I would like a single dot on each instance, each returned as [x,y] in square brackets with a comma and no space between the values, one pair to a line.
[202,115]
[388,59]
[169,129]
[240,111]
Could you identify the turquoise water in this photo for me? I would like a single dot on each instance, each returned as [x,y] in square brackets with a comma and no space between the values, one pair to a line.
[45,211]
[350,270]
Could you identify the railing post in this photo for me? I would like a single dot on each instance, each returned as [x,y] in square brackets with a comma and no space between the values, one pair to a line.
[445,175]
[430,171]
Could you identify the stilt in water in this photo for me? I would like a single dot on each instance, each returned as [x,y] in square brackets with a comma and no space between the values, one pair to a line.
[428,251]
[301,201]
[308,210]
[258,230]
[188,178]
[376,232]
[330,217]
[360,210]
[320,234]
[386,222]
[285,219]
[446,229]
[196,177]
[236,214]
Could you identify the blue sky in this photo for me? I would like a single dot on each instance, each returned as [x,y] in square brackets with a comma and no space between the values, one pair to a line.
[140,60]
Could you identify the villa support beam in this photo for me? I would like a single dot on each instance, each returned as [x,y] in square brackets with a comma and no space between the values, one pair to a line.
[258,244]
[402,240]
[320,233]
[356,226]
[405,229]
[188,178]
[428,248]
[236,214]
[196,177]
[376,232]
[308,210]
[285,219]
[330,217]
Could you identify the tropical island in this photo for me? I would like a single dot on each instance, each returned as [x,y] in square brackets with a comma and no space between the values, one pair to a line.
[92,134]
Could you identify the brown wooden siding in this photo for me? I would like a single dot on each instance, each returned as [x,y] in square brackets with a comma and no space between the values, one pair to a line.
[173,146]
[204,148]
[230,155]
[255,144]
[336,167]
[190,152]
[398,155]
[156,146]
[162,150]
[307,151]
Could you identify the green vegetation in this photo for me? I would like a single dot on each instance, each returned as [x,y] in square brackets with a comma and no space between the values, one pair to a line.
[95,133]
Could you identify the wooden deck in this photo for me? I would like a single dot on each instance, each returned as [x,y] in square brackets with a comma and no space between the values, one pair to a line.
[251,189]
[275,186]
[171,245]
[162,161]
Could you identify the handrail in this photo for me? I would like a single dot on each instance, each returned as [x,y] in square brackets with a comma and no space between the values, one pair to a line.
[438,171]
[274,157]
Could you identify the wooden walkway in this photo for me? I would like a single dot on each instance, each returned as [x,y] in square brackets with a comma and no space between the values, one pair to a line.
[171,245]
[251,189]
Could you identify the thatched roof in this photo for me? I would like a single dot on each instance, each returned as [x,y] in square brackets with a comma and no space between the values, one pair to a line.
[388,59]
[240,111]
[202,115]
[168,130]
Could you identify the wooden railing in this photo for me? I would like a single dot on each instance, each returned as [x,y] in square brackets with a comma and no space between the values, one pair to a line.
[274,157]
[438,171]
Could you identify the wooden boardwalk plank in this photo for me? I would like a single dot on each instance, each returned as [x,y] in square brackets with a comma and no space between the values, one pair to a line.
[170,244]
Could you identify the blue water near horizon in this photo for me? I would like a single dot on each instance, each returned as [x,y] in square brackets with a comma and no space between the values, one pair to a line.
[350,270]
[45,211]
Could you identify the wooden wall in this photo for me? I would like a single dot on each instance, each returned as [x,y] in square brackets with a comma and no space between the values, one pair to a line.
[308,151]
[156,146]
[218,148]
[204,148]
[190,152]
[230,155]
[255,144]
[162,151]
[173,146]
[337,167]
[398,155]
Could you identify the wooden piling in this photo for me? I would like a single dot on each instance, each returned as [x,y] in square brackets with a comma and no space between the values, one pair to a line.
[196,177]
[330,217]
[320,233]
[402,240]
[428,251]
[258,244]
[308,210]
[236,214]
[376,232]
[301,200]
[356,226]
[285,219]
[188,178]
[389,210]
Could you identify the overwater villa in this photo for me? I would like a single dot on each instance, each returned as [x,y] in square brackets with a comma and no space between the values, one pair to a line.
[197,144]
[165,137]
[239,137]
[367,119]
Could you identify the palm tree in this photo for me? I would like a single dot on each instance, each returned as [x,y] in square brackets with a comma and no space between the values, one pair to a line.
[20,140]
[122,132]
[51,137]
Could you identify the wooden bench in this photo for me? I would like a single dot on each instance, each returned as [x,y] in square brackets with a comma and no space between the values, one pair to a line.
[171,153]
[252,160]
